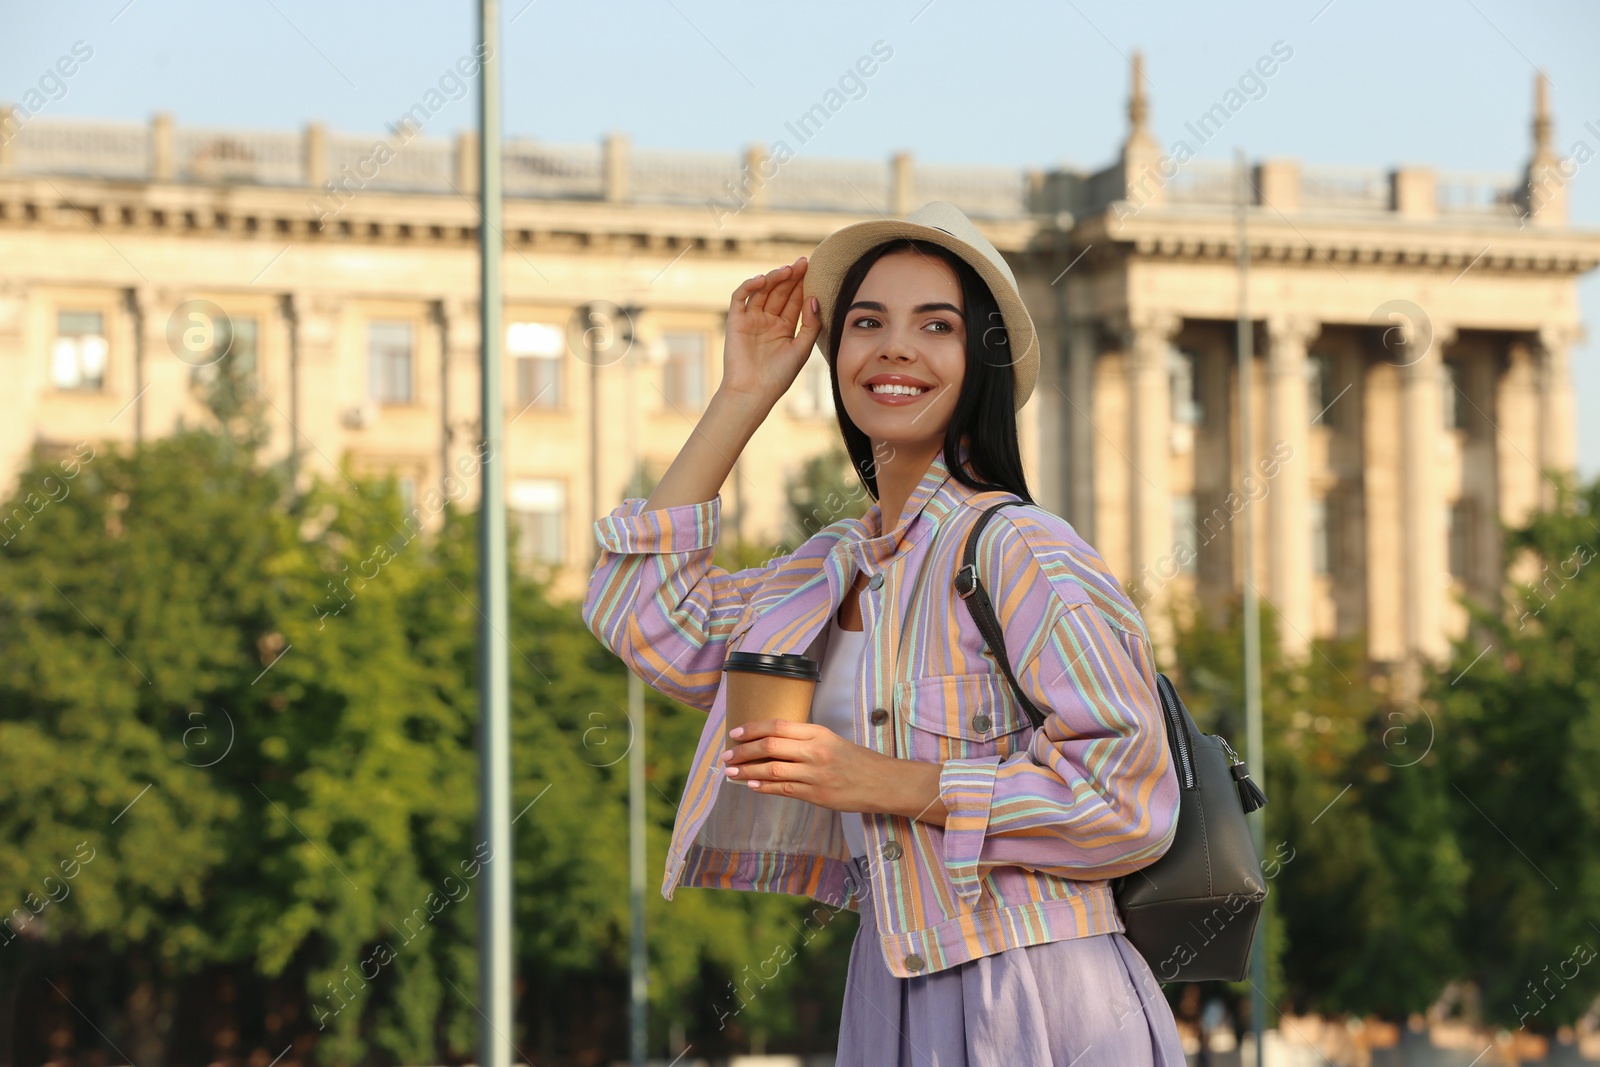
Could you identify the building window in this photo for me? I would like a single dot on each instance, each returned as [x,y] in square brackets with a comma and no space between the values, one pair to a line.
[538,508]
[389,362]
[537,348]
[1185,536]
[812,392]
[1319,384]
[1453,413]
[1324,537]
[685,371]
[239,345]
[1461,539]
[78,358]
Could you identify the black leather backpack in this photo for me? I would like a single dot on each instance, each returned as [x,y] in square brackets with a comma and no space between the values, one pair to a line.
[1192,913]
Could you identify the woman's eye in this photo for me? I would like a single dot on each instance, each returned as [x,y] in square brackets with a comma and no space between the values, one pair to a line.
[866,321]
[940,326]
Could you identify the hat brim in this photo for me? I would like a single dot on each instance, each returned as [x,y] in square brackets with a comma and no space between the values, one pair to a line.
[838,252]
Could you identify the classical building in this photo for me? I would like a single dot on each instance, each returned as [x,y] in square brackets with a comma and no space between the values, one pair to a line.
[1409,338]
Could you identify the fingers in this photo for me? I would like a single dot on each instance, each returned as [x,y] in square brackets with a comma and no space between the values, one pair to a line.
[810,324]
[792,290]
[778,740]
[780,283]
[773,728]
[772,766]
[746,289]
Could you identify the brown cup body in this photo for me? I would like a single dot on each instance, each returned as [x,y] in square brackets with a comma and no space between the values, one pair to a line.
[755,694]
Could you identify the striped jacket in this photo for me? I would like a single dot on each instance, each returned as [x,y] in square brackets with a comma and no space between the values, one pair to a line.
[1039,820]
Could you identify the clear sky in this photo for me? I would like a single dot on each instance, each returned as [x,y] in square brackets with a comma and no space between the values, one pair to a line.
[1371,82]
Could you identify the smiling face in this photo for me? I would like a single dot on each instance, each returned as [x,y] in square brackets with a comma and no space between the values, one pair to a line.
[903,351]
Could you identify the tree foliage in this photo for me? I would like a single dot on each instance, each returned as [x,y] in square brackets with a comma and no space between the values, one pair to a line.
[1364,874]
[237,760]
[1520,704]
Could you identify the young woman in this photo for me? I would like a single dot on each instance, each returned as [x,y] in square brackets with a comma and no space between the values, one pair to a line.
[977,849]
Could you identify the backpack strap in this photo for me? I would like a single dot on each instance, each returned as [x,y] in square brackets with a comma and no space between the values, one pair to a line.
[969,586]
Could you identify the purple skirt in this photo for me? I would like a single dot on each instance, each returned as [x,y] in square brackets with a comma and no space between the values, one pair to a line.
[1083,1002]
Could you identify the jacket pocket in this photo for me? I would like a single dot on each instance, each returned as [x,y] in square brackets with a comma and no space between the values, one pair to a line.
[961,716]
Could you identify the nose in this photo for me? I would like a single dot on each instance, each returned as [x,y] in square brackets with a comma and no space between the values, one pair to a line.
[896,347]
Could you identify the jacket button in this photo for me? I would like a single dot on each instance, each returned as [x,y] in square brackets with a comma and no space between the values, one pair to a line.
[879,716]
[981,723]
[875,582]
[892,850]
[915,962]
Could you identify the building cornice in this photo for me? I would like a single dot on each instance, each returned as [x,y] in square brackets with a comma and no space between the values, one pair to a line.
[274,213]
[1187,232]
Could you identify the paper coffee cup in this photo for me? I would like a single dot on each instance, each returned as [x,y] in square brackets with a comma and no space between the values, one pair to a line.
[768,686]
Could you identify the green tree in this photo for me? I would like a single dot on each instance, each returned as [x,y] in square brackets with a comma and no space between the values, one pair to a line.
[238,776]
[173,624]
[1366,877]
[1520,701]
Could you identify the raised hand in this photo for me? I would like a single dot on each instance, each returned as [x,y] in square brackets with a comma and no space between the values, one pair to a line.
[761,359]
[763,354]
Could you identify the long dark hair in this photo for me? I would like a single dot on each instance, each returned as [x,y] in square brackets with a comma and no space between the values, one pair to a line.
[985,410]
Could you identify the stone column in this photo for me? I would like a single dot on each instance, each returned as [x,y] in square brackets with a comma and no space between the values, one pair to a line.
[144,306]
[614,167]
[1414,192]
[16,357]
[466,162]
[1424,537]
[314,152]
[1081,352]
[9,127]
[1557,426]
[755,169]
[161,165]
[461,376]
[902,185]
[1289,578]
[1279,182]
[1149,339]
[1519,487]
[314,395]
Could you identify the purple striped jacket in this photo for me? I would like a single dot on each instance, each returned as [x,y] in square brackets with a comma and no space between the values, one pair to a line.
[1039,820]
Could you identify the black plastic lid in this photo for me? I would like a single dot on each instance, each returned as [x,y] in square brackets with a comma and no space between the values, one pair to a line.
[789,666]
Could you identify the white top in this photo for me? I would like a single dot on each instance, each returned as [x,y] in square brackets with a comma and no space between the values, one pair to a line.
[834,705]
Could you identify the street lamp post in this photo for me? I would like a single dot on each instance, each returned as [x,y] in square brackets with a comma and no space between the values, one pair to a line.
[1254,756]
[607,335]
[494,687]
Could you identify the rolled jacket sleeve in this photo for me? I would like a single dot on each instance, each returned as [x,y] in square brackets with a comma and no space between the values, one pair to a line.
[1094,795]
[657,601]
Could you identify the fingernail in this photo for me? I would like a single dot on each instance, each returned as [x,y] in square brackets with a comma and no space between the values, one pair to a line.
[816,308]
[730,771]
[726,754]
[737,731]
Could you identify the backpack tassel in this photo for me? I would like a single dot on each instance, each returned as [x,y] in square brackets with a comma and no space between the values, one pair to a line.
[1250,794]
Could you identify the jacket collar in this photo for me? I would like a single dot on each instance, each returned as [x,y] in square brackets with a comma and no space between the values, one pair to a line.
[937,494]
[789,617]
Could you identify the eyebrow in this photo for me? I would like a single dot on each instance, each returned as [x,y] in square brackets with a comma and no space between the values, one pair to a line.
[873,305]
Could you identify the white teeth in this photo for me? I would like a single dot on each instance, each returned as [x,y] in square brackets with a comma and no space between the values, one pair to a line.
[898,390]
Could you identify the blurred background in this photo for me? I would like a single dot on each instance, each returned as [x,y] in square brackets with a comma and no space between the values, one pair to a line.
[239,461]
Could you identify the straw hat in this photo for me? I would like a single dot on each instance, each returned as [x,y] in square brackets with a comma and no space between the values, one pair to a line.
[944,225]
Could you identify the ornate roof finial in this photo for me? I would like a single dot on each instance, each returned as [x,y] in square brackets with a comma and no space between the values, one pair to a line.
[1541,117]
[1543,196]
[1138,106]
